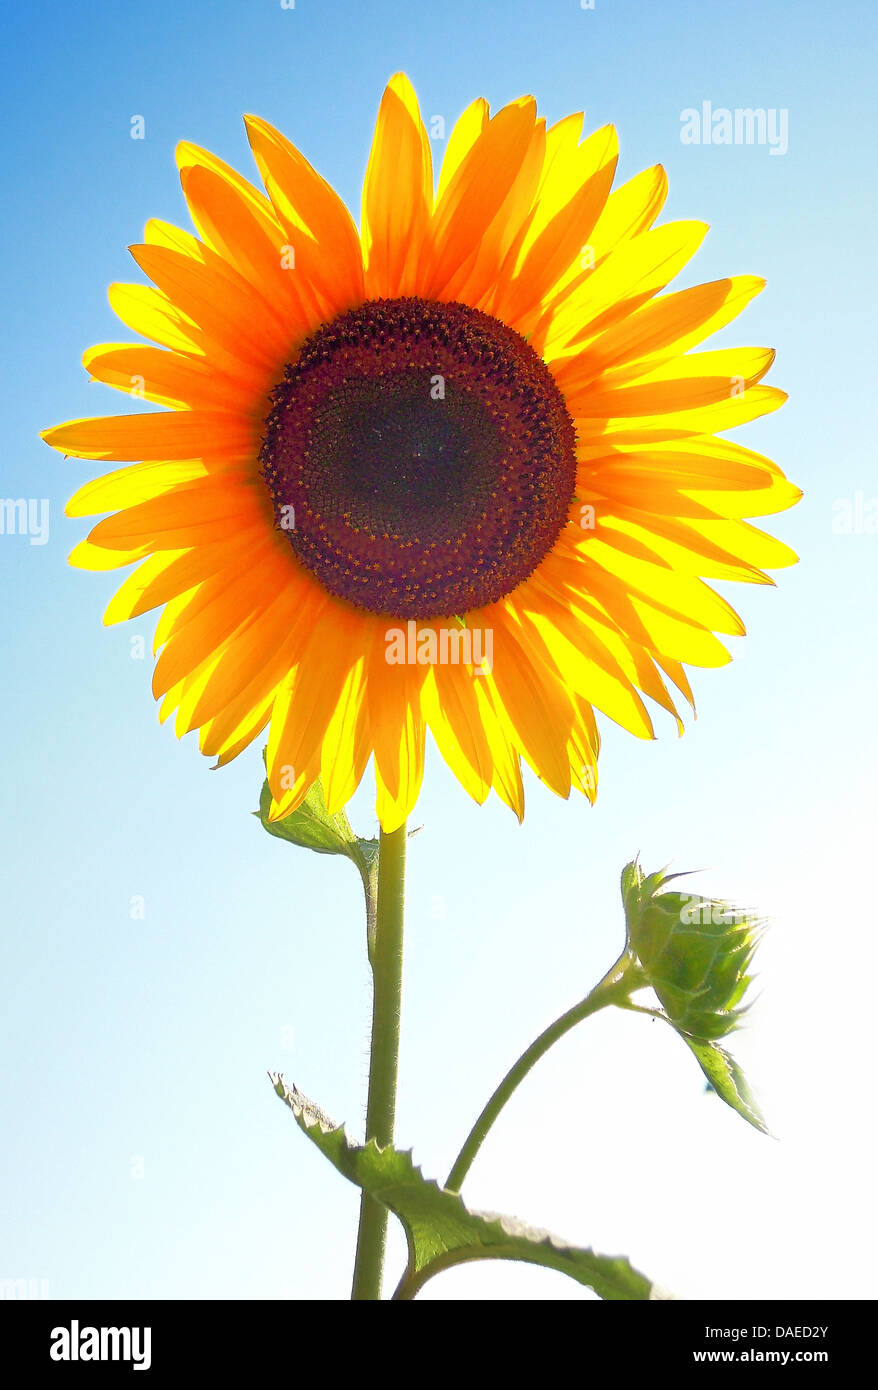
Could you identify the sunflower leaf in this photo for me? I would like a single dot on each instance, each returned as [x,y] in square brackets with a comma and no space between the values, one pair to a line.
[727,1080]
[440,1230]
[313,827]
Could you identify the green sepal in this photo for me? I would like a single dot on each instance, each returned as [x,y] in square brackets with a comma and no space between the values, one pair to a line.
[313,827]
[440,1230]
[727,1080]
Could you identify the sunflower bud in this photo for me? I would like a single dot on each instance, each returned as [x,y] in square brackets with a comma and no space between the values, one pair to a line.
[695,952]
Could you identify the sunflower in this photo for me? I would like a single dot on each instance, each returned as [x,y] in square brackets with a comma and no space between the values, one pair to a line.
[457,471]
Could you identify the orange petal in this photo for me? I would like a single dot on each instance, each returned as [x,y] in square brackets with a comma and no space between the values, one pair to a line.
[167,378]
[397,735]
[176,434]
[222,303]
[316,221]
[255,246]
[501,165]
[397,195]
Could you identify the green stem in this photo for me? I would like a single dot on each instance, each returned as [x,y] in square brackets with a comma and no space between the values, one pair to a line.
[612,989]
[385,955]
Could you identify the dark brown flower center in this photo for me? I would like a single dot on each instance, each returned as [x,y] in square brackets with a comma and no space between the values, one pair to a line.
[420,458]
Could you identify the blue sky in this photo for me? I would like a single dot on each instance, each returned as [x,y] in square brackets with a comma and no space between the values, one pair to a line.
[140,1045]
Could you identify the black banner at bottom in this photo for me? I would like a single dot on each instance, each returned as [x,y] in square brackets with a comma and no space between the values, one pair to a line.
[85,1337]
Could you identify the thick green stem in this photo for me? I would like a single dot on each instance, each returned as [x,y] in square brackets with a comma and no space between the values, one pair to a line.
[612,989]
[385,955]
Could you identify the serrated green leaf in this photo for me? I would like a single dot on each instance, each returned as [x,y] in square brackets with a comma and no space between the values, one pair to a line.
[727,1080]
[440,1230]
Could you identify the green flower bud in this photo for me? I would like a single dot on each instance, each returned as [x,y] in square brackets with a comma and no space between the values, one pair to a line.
[695,951]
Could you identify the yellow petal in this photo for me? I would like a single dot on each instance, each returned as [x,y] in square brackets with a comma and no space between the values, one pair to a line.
[621,283]
[464,134]
[667,326]
[686,383]
[571,195]
[451,708]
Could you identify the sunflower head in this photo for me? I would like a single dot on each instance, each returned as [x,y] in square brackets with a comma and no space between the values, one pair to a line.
[425,456]
[456,471]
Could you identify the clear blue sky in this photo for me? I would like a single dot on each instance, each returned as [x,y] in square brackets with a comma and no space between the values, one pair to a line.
[149,1039]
